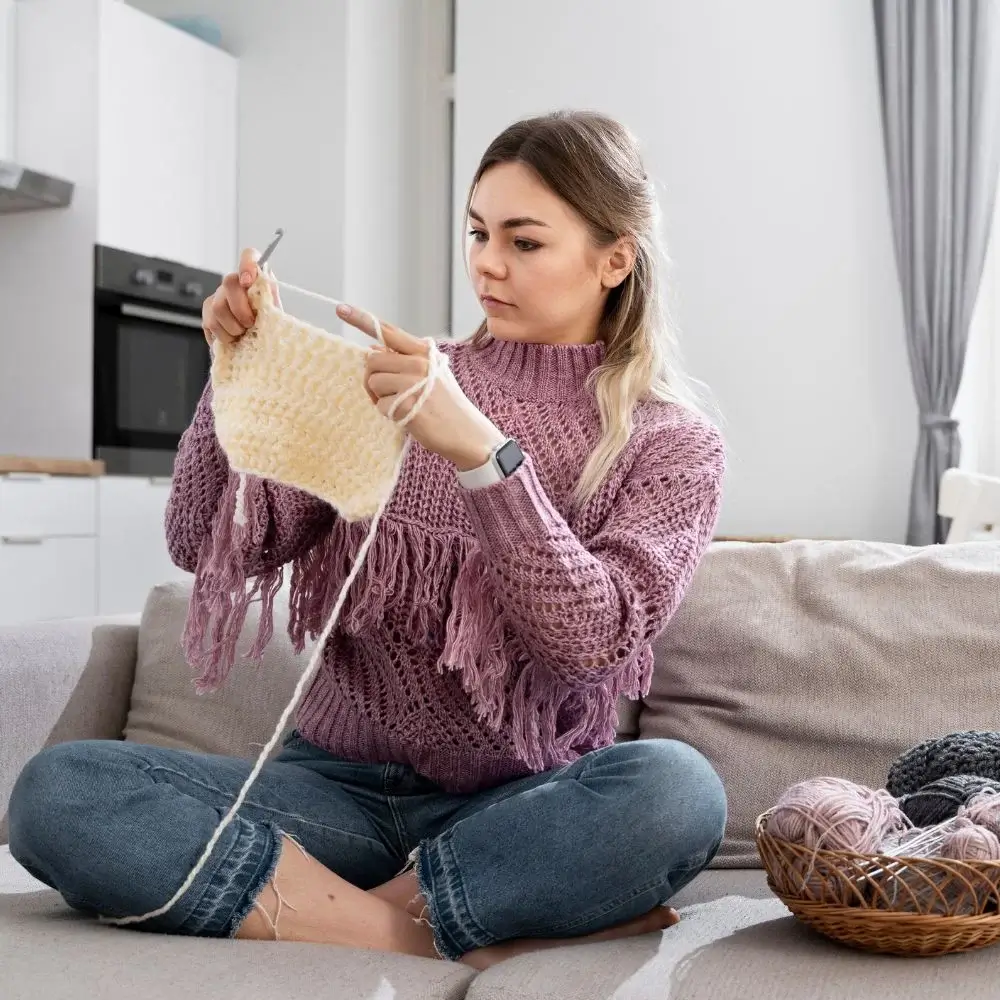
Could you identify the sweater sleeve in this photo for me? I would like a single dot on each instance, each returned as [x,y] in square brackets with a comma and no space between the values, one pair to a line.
[586,610]
[283,522]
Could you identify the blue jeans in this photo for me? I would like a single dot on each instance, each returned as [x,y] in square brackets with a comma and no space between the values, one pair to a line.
[116,827]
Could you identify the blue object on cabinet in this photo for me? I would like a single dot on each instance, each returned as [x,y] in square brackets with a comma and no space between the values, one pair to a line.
[201,27]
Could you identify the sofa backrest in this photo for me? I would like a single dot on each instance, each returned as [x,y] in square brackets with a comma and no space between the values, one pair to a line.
[795,660]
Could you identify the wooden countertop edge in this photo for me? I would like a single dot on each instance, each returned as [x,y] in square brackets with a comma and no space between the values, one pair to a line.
[52,466]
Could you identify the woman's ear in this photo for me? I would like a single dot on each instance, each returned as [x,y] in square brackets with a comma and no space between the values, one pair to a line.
[618,264]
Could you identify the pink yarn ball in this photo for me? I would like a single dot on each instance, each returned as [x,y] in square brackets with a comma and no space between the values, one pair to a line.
[835,814]
[970,842]
[984,810]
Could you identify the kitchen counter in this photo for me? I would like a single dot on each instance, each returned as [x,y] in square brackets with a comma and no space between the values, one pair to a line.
[51,466]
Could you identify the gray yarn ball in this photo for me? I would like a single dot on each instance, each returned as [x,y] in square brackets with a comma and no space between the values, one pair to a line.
[940,800]
[967,753]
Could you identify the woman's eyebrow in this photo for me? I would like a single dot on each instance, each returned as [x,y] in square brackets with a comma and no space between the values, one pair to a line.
[520,220]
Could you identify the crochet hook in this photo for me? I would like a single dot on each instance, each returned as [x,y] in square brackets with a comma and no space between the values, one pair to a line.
[269,249]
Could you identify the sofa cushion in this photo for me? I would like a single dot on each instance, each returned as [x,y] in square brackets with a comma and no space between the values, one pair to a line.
[237,720]
[789,661]
[48,950]
[734,940]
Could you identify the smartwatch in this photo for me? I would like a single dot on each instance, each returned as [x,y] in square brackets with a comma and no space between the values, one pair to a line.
[505,459]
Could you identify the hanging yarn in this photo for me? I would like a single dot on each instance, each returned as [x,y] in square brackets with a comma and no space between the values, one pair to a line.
[835,814]
[984,810]
[941,799]
[969,841]
[310,471]
[970,752]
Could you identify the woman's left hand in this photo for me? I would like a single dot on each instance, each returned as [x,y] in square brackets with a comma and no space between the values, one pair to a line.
[448,424]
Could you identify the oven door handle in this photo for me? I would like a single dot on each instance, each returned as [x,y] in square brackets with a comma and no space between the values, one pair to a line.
[160,315]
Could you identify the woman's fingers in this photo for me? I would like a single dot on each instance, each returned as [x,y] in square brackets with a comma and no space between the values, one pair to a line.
[235,305]
[389,383]
[248,266]
[391,361]
[395,339]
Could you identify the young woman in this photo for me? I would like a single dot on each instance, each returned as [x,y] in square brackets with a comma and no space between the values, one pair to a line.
[453,787]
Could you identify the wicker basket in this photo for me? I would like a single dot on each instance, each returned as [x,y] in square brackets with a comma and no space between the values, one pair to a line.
[895,905]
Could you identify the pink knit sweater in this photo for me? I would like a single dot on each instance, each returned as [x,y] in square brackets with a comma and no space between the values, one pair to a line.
[490,632]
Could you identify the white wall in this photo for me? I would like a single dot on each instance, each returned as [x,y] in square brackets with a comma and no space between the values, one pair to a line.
[977,407]
[6,78]
[380,190]
[761,122]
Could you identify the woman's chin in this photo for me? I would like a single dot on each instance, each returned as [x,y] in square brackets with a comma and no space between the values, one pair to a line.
[504,329]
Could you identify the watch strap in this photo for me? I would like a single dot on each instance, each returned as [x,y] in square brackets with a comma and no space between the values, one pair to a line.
[490,471]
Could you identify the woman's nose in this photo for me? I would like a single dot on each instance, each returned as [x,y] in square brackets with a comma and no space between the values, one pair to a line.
[490,261]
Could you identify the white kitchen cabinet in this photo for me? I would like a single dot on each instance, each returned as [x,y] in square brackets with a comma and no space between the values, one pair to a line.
[48,547]
[132,548]
[37,504]
[46,577]
[167,133]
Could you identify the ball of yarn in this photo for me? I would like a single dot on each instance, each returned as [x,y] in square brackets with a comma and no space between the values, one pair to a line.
[941,799]
[835,814]
[984,810]
[969,841]
[972,752]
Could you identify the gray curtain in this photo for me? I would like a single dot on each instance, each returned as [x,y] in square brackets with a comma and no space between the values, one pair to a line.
[939,73]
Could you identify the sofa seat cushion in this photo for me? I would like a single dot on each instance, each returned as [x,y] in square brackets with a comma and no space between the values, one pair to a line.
[735,939]
[795,660]
[49,950]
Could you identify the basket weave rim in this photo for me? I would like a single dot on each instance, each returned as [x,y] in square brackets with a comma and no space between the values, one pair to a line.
[863,915]
[760,828]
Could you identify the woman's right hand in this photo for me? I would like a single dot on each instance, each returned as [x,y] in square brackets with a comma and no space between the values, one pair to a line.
[227,314]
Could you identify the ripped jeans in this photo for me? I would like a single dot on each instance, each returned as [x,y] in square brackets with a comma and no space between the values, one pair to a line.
[116,827]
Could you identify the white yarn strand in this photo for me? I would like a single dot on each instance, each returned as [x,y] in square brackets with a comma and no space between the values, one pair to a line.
[436,363]
[329,301]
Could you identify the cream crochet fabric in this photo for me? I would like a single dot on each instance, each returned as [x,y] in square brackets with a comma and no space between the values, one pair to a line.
[290,405]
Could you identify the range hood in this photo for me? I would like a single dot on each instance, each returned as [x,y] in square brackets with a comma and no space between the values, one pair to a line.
[22,189]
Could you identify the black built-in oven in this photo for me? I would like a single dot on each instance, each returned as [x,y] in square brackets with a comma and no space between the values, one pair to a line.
[151,360]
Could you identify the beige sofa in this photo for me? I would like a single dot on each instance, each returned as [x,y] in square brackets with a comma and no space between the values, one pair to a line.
[784,661]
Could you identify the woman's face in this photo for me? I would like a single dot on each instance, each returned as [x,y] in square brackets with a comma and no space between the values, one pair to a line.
[533,264]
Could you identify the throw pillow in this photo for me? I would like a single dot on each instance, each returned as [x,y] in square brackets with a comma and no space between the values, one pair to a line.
[239,719]
[808,658]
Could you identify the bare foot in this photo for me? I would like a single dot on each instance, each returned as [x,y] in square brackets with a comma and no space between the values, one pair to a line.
[400,891]
[305,901]
[657,919]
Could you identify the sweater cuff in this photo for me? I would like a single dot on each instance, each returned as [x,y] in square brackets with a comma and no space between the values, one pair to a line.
[507,514]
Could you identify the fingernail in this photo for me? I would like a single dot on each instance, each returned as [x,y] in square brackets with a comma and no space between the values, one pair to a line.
[343,310]
[246,278]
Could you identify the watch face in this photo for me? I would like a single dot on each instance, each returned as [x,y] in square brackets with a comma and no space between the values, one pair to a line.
[509,457]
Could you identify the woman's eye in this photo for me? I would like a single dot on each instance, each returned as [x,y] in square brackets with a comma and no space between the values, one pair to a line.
[478,235]
[526,245]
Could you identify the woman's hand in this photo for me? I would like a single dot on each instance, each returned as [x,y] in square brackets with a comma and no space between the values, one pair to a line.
[448,424]
[227,314]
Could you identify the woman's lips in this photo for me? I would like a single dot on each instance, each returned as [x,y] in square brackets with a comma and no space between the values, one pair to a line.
[489,302]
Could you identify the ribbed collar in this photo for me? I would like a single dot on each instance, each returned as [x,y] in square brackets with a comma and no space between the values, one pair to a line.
[537,371]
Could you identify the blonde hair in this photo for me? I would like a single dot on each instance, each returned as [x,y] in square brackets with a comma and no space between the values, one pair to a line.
[592,162]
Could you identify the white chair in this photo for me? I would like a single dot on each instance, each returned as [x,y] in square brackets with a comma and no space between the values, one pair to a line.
[972,501]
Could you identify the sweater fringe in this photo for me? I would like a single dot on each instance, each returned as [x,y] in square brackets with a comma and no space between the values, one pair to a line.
[440,588]
[221,597]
